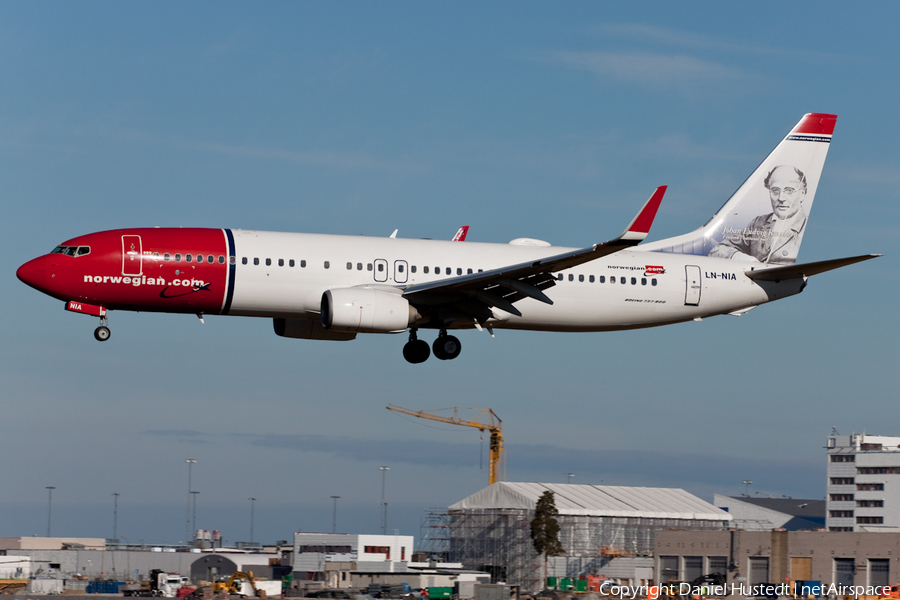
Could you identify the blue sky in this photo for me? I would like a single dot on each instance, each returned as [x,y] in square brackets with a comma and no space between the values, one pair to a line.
[546,120]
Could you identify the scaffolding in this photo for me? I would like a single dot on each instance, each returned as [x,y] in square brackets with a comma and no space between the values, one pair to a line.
[498,541]
[434,533]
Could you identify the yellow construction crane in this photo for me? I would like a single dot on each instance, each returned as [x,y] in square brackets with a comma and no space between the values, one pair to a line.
[490,422]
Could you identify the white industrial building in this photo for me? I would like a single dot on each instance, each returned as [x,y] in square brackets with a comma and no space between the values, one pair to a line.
[604,530]
[863,483]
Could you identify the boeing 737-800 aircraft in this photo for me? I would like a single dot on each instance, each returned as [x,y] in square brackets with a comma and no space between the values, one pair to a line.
[330,287]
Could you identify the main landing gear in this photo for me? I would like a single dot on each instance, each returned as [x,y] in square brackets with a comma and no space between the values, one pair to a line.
[446,347]
[102,333]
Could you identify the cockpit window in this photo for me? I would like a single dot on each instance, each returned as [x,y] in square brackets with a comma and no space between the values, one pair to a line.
[72,250]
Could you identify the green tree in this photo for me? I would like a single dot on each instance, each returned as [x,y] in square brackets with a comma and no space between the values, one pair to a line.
[545,528]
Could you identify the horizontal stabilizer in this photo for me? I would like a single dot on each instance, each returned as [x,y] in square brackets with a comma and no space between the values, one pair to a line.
[806,269]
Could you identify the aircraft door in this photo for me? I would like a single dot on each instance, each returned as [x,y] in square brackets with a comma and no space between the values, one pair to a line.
[692,282]
[400,271]
[132,257]
[381,270]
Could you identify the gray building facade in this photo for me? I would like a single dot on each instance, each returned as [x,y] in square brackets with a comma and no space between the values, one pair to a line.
[863,483]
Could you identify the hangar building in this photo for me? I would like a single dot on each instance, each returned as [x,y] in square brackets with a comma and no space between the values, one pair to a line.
[602,529]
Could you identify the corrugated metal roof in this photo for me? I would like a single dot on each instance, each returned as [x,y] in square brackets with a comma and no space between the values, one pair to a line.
[596,501]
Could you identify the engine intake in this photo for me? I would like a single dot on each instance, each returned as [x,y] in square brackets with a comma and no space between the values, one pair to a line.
[364,310]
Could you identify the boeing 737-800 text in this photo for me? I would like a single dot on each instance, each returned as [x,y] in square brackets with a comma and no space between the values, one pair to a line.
[329,287]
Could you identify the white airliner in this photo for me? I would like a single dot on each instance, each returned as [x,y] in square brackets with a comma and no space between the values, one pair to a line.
[328,287]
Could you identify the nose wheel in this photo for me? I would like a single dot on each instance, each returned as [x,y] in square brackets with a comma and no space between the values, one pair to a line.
[102,333]
[416,351]
[446,347]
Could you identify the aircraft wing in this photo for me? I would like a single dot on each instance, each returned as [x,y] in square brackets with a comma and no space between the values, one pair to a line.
[477,293]
[806,269]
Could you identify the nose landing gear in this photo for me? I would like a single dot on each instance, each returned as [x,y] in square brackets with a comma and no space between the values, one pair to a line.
[416,351]
[102,333]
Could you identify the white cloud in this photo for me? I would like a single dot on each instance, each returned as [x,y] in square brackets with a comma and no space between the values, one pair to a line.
[643,67]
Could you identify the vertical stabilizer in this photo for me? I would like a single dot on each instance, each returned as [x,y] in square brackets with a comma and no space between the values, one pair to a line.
[765,219]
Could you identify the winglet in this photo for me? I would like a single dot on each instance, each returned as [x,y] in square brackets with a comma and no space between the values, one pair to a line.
[639,228]
[461,234]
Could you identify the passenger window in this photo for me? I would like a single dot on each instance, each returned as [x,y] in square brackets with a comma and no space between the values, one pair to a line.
[437,270]
[302,264]
[209,258]
[177,258]
[232,260]
[268,262]
[413,268]
[243,260]
[291,263]
[468,271]
[256,261]
[480,270]
[634,281]
[187,258]
[612,279]
[425,270]
[221,260]
[167,256]
[349,266]
[559,277]
[449,271]
[622,280]
[458,271]
[280,262]
[359,266]
[591,279]
[571,277]
[581,278]
[643,281]
[603,279]
[652,282]
[327,264]
[199,258]
[380,267]
[400,268]
[368,266]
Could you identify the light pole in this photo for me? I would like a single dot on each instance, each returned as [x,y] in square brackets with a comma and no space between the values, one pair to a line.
[569,477]
[115,515]
[187,521]
[50,489]
[194,512]
[747,483]
[334,515]
[252,502]
[384,471]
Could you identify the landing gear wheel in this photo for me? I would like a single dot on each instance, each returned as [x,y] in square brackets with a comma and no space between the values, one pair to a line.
[446,347]
[416,351]
[102,333]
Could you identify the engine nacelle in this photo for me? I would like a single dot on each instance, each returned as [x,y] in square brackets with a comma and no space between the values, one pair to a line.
[364,310]
[308,329]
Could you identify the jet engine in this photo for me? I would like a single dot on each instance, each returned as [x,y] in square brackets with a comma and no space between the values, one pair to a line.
[308,329]
[364,310]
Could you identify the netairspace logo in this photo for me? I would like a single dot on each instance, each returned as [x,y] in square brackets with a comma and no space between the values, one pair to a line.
[653,592]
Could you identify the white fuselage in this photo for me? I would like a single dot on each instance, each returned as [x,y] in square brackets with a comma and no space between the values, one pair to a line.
[649,288]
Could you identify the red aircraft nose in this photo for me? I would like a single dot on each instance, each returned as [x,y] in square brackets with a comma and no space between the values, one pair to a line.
[34,273]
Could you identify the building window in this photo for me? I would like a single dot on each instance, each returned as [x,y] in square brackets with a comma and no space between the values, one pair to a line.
[877,470]
[840,514]
[870,447]
[870,503]
[841,481]
[842,498]
[870,520]
[869,487]
[840,529]
[843,458]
